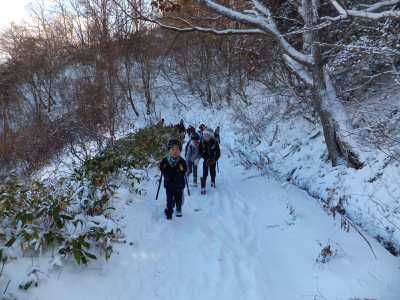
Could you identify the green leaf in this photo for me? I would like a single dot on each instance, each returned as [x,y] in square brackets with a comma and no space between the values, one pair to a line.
[90,255]
[26,285]
[85,244]
[41,212]
[56,212]
[11,241]
[67,217]
[59,223]
[84,259]
[77,255]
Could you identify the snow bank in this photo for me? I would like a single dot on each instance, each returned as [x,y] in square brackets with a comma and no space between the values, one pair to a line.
[296,152]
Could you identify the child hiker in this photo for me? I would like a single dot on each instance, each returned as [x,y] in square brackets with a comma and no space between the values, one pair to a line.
[173,168]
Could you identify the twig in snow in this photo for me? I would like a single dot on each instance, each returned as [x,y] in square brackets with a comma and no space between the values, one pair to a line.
[8,284]
[360,233]
[274,136]
[315,135]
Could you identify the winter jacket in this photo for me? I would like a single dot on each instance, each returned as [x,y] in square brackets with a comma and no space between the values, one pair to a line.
[174,176]
[201,135]
[210,150]
[190,130]
[193,153]
[181,128]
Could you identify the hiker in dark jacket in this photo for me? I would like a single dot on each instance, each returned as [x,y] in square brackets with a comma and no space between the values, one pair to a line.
[193,156]
[210,152]
[181,129]
[190,131]
[202,127]
[173,168]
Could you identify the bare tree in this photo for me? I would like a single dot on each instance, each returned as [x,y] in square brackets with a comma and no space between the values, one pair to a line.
[307,60]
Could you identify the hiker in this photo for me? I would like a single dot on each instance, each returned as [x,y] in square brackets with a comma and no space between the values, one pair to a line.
[181,129]
[193,156]
[202,127]
[216,134]
[190,131]
[173,168]
[210,152]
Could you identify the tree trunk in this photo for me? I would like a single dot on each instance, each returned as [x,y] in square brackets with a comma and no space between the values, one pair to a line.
[321,105]
[146,79]
[129,87]
[330,112]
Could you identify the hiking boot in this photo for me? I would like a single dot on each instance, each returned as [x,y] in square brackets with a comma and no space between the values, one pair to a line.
[203,191]
[203,182]
[178,213]
[168,214]
[213,185]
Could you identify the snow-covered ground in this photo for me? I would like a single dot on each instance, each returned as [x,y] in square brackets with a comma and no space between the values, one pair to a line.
[254,237]
[251,238]
[296,152]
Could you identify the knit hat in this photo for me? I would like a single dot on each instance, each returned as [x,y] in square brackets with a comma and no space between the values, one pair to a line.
[174,142]
[195,137]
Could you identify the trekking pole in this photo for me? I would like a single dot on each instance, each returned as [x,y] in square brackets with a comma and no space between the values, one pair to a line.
[187,185]
[159,185]
[217,167]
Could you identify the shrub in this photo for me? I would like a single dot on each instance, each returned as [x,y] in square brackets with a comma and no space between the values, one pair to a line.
[74,213]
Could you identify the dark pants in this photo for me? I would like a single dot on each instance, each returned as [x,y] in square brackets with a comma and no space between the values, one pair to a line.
[213,173]
[192,168]
[174,199]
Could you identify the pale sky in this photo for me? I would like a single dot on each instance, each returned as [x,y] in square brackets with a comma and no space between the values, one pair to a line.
[13,11]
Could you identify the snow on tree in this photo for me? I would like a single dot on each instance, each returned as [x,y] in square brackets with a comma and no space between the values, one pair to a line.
[306,59]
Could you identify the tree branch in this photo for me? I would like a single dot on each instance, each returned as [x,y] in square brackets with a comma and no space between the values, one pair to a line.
[299,69]
[382,4]
[369,13]
[265,23]
[211,30]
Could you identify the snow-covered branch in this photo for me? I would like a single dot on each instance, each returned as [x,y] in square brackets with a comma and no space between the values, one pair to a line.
[264,23]
[339,8]
[374,16]
[370,12]
[378,6]
[262,9]
[299,69]
[228,31]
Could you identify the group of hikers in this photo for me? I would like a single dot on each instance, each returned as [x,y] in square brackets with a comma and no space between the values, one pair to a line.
[202,144]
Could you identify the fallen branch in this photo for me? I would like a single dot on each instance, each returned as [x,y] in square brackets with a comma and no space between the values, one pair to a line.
[361,234]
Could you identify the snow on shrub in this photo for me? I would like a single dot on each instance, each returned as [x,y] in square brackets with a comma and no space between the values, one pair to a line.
[74,214]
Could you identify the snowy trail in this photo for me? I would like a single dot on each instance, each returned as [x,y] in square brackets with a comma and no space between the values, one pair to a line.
[240,241]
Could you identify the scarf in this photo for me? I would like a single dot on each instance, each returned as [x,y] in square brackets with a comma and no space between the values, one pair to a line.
[173,161]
